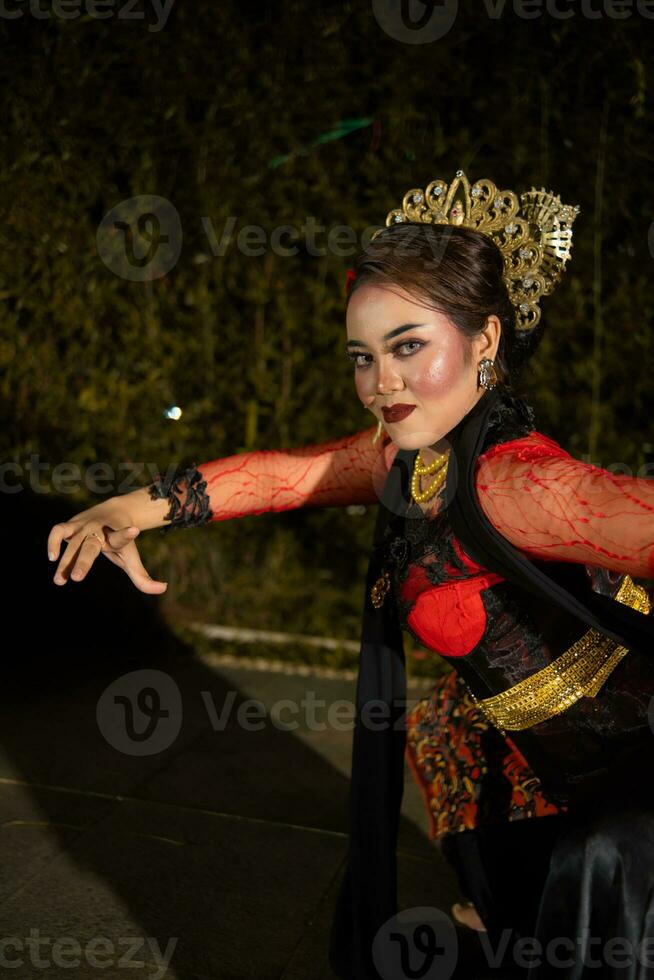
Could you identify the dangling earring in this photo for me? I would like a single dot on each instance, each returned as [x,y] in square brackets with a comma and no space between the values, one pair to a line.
[486,374]
[380,429]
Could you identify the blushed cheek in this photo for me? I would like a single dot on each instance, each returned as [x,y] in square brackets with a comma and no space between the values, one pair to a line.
[439,375]
[363,386]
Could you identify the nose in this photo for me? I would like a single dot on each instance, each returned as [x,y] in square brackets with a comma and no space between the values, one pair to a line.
[388,380]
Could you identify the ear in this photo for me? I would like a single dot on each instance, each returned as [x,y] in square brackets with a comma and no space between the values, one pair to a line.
[487,342]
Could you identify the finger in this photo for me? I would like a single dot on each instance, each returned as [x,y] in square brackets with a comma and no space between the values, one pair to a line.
[122,536]
[77,564]
[67,560]
[88,551]
[56,536]
[129,560]
[147,584]
[139,575]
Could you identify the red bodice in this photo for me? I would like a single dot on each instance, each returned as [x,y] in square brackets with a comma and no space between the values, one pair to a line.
[449,618]
[548,504]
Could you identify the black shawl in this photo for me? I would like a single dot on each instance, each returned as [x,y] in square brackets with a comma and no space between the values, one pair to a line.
[368,893]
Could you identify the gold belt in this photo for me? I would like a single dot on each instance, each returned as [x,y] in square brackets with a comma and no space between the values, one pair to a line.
[578,672]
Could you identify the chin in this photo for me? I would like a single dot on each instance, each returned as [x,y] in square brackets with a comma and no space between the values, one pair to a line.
[411,440]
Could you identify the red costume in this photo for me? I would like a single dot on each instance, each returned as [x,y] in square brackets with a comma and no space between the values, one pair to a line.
[552,507]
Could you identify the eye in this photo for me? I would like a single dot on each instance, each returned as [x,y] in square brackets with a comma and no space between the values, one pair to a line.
[354,355]
[407,343]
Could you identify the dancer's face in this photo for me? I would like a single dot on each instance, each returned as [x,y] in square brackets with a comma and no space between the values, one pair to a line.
[428,363]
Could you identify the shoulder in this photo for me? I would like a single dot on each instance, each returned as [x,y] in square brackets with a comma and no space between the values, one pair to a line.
[512,434]
[534,464]
[509,418]
[523,449]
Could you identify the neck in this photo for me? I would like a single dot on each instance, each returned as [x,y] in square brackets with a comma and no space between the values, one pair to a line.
[436,449]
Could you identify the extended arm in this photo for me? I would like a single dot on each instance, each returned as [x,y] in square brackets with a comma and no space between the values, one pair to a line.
[347,470]
[553,506]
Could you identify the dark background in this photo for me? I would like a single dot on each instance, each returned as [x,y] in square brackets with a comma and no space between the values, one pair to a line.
[277,114]
[264,114]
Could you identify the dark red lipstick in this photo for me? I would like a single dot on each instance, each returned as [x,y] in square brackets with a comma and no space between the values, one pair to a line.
[395,413]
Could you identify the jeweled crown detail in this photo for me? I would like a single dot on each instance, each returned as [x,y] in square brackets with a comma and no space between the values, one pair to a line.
[533,233]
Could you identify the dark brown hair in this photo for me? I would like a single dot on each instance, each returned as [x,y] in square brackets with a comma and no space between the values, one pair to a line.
[455,270]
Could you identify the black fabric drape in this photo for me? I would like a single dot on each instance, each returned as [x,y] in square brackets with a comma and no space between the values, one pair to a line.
[368,894]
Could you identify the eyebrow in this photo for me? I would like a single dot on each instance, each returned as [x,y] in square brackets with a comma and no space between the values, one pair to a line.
[389,335]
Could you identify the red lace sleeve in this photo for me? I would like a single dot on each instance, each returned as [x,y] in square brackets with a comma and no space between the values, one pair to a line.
[553,506]
[346,470]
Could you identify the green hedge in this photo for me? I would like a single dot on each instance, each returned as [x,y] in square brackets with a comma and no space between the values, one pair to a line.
[274,113]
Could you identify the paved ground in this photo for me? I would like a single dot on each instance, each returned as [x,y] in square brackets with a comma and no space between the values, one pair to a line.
[219,855]
[224,848]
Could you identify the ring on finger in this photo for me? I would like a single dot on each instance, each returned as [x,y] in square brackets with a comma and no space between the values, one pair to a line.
[95,535]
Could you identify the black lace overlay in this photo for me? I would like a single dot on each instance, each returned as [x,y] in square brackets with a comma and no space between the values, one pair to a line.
[429,543]
[186,490]
[510,418]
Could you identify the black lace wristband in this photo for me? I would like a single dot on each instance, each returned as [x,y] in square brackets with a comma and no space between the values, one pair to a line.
[192,509]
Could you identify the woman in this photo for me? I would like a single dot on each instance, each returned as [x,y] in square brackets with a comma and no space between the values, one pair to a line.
[512,626]
[519,550]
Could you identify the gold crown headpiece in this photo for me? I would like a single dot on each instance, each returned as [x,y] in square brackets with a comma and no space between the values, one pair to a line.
[534,234]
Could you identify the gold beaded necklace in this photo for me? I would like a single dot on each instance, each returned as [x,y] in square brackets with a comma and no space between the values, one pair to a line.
[438,466]
[382,586]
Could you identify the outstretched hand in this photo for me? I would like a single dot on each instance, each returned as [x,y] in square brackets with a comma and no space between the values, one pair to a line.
[86,538]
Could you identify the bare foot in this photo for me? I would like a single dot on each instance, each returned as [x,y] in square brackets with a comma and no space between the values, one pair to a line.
[467,915]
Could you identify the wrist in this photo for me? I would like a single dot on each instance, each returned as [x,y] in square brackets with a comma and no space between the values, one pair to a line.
[140,509]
